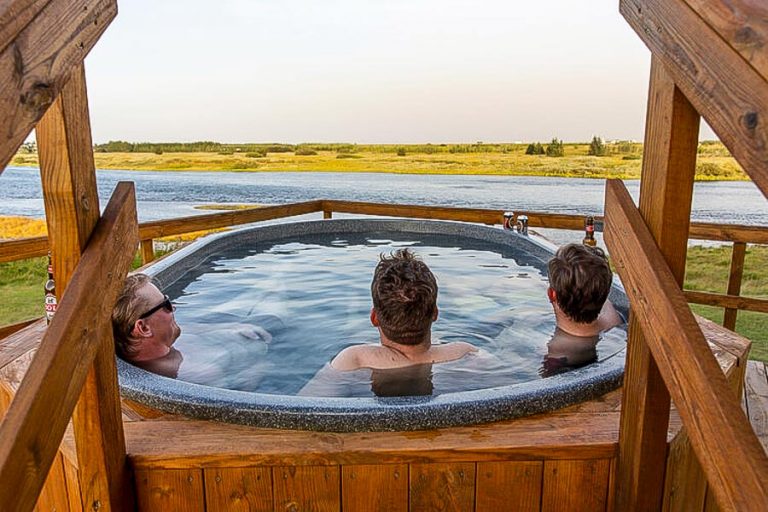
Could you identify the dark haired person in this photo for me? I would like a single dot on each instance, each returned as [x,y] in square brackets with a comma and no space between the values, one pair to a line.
[579,283]
[404,293]
[144,327]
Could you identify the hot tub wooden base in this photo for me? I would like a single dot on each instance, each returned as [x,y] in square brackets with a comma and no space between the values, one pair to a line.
[564,460]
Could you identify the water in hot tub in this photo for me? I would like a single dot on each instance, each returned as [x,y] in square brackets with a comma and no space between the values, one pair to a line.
[269,317]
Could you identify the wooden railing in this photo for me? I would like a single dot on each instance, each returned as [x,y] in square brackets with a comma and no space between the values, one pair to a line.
[38,415]
[731,301]
[729,451]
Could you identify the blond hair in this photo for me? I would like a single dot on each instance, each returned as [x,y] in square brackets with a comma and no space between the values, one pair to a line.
[128,309]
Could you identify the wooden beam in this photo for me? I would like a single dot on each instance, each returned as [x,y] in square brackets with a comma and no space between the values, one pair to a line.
[15,15]
[72,210]
[727,301]
[743,24]
[729,451]
[734,282]
[721,85]
[34,69]
[484,216]
[666,190]
[37,418]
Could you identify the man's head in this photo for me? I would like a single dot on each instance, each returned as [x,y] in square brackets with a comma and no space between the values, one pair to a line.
[142,320]
[404,293]
[579,281]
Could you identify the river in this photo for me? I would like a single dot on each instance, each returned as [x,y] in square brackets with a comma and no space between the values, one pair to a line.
[174,194]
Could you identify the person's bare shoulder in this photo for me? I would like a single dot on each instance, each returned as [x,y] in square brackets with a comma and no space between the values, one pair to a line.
[350,358]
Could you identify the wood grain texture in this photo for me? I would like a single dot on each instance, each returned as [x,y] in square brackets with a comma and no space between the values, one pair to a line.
[238,489]
[147,251]
[375,488]
[37,64]
[307,489]
[72,211]
[412,211]
[685,486]
[442,487]
[54,494]
[509,486]
[719,432]
[734,282]
[743,24]
[727,301]
[24,248]
[38,415]
[666,191]
[15,15]
[179,490]
[575,485]
[720,84]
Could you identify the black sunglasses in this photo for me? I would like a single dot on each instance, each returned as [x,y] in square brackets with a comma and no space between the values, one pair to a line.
[166,305]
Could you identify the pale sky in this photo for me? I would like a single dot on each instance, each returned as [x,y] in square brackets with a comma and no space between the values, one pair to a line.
[368,71]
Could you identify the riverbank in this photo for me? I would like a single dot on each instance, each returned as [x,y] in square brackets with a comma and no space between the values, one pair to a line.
[713,163]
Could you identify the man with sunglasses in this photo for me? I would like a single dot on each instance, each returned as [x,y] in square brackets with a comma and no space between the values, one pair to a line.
[144,327]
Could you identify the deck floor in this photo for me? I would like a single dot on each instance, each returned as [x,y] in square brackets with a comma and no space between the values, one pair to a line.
[756,399]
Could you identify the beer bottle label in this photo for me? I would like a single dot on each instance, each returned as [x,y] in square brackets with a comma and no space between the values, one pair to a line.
[50,305]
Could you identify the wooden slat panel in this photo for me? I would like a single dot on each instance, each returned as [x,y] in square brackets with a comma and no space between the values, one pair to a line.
[7,330]
[743,24]
[442,487]
[170,490]
[54,494]
[421,212]
[727,301]
[307,488]
[73,485]
[723,87]
[380,488]
[610,505]
[72,210]
[15,15]
[575,485]
[719,432]
[509,486]
[238,489]
[177,226]
[147,251]
[38,415]
[685,485]
[666,190]
[756,390]
[36,67]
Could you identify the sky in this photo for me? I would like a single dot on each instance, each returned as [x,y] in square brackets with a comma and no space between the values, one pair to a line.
[368,71]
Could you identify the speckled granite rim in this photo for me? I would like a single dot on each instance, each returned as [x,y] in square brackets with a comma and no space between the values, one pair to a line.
[366,414]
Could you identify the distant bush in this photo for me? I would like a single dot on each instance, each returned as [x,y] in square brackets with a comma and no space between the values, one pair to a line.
[227,152]
[555,148]
[305,152]
[255,154]
[400,151]
[535,149]
[279,148]
[631,157]
[158,151]
[342,156]
[596,147]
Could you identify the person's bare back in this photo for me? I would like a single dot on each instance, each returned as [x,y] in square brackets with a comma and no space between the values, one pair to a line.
[387,356]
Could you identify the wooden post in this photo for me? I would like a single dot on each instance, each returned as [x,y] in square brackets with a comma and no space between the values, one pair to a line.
[147,251]
[734,282]
[666,190]
[72,211]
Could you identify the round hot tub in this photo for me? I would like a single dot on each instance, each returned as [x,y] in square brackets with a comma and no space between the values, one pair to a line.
[264,309]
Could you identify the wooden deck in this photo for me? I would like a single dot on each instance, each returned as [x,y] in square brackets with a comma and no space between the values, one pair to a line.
[756,399]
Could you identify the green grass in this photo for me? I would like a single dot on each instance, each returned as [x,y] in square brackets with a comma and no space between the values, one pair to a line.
[707,270]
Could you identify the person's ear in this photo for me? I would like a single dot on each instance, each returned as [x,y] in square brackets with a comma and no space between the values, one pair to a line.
[141,329]
[374,318]
[437,311]
[551,295]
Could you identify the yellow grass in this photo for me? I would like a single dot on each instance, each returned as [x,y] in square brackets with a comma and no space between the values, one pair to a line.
[21,227]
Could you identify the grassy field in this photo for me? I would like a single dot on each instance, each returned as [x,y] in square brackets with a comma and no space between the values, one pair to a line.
[622,161]
[21,283]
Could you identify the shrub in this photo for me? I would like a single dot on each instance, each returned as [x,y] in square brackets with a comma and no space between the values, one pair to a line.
[555,148]
[631,157]
[305,152]
[255,154]
[596,147]
[342,156]
[531,149]
[400,151]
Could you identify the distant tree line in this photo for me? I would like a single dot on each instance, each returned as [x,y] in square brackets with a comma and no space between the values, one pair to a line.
[554,148]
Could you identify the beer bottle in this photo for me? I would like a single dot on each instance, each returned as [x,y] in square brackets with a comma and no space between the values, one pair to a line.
[589,235]
[50,293]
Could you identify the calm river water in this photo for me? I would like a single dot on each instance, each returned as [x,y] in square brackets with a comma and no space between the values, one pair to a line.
[173,194]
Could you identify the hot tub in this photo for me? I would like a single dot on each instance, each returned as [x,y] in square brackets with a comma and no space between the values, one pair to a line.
[276,409]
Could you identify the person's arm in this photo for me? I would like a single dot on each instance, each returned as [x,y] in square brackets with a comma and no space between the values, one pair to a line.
[608,317]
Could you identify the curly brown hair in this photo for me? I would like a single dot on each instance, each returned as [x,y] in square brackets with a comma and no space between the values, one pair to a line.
[404,293]
[581,278]
[128,308]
